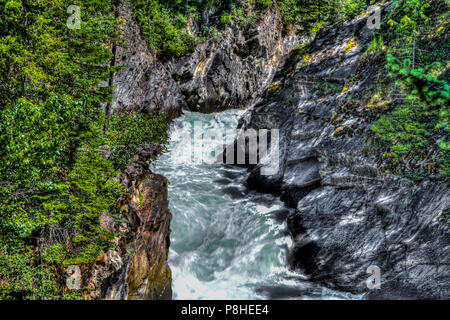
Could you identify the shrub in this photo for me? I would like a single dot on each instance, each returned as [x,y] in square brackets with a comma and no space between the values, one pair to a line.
[262,4]
[163,29]
[128,131]
[413,136]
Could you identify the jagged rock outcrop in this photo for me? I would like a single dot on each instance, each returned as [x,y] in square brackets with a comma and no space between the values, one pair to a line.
[349,214]
[143,84]
[137,268]
[233,72]
[220,74]
[146,274]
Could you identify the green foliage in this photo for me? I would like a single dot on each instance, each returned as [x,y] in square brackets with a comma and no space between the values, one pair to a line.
[289,100]
[40,56]
[423,85]
[35,137]
[419,124]
[163,23]
[445,157]
[325,88]
[311,15]
[401,131]
[406,131]
[242,15]
[20,278]
[376,46]
[226,18]
[54,182]
[351,8]
[128,131]
[262,4]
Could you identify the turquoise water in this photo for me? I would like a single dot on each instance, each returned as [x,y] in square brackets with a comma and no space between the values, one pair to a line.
[227,242]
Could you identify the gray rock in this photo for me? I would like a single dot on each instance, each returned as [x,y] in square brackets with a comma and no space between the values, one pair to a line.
[233,72]
[144,84]
[229,73]
[349,215]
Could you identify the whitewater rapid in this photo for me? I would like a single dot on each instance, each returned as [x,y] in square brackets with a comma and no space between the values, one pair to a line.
[227,242]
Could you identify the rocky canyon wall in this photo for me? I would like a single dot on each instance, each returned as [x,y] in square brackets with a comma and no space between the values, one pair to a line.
[228,73]
[351,217]
[136,268]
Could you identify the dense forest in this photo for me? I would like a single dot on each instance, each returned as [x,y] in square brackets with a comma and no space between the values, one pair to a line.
[56,126]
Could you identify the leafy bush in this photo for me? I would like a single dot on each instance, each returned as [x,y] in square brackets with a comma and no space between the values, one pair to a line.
[128,131]
[351,8]
[262,4]
[163,28]
[413,137]
[325,88]
[311,15]
[164,22]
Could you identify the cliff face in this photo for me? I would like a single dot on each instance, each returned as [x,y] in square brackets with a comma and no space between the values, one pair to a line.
[233,72]
[349,216]
[146,274]
[221,74]
[227,73]
[137,267]
[144,84]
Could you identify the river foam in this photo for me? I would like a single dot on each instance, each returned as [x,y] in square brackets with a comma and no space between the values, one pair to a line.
[227,242]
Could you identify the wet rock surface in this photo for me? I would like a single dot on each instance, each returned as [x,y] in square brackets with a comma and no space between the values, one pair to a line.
[349,215]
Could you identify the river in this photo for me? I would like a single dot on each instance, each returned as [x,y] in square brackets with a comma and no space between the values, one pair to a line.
[227,242]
